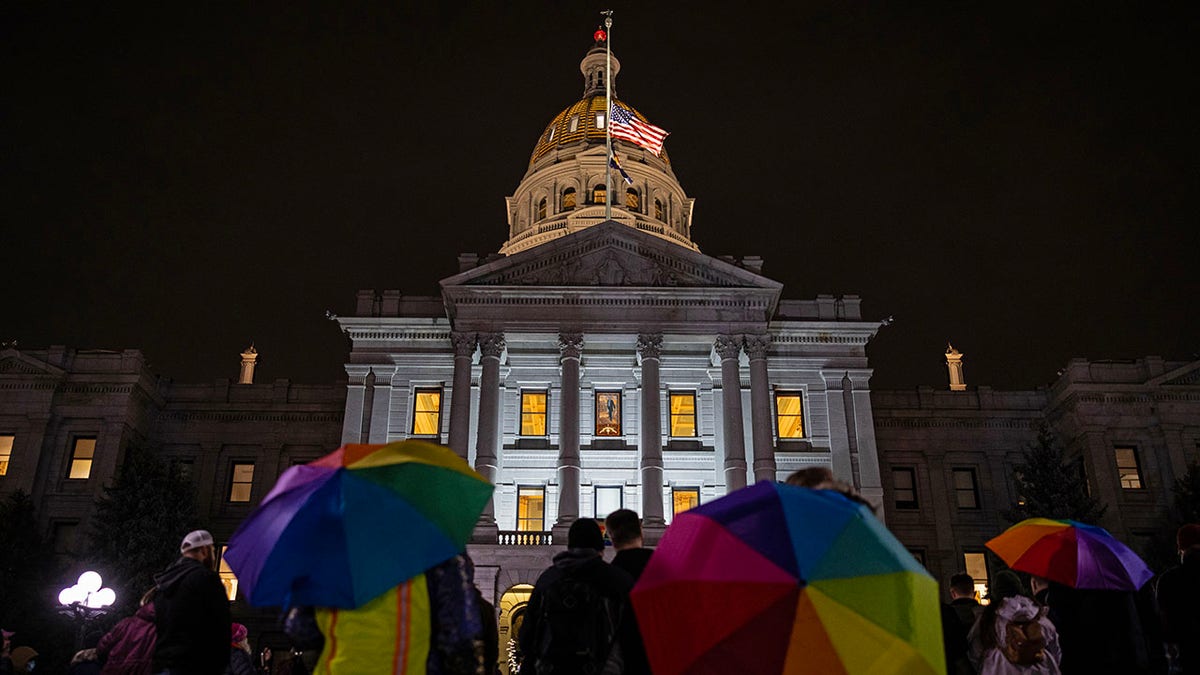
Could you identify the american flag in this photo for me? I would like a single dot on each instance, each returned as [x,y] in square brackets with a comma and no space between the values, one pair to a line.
[625,125]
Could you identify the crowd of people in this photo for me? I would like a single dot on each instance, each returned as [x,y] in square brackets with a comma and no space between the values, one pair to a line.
[1051,628]
[579,620]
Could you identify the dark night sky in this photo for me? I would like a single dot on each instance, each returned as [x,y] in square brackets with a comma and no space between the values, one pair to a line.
[1018,178]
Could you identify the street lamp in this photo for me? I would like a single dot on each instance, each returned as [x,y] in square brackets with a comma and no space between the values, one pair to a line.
[85,601]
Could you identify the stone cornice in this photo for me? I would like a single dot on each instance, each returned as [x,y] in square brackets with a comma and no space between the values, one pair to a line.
[962,423]
[248,416]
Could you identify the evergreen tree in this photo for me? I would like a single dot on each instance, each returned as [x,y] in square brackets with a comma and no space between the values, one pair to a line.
[139,522]
[28,569]
[1049,488]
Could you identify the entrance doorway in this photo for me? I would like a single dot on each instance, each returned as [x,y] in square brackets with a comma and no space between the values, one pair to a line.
[512,614]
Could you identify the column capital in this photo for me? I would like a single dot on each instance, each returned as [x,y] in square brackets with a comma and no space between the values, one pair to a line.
[492,344]
[464,343]
[757,345]
[570,345]
[728,346]
[649,345]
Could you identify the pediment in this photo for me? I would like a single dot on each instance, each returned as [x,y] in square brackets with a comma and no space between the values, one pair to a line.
[17,363]
[1188,374]
[611,254]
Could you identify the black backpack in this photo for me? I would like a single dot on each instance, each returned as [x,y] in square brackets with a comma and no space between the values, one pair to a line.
[577,629]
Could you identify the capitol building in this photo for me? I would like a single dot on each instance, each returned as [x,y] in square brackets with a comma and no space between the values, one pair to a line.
[593,363]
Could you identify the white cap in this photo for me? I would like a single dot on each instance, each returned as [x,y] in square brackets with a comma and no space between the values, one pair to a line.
[195,539]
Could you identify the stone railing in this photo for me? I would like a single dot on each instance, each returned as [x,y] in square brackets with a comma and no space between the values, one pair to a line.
[523,538]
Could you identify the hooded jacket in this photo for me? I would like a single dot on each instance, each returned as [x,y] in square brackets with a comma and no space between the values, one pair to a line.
[128,648]
[191,619]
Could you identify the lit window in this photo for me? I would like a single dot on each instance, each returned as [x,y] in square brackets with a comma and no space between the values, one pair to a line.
[531,509]
[6,445]
[541,209]
[550,135]
[568,198]
[81,458]
[599,194]
[608,499]
[904,488]
[427,408]
[575,123]
[658,210]
[228,579]
[683,499]
[966,492]
[683,414]
[976,565]
[631,199]
[599,120]
[789,415]
[608,413]
[243,478]
[533,413]
[1128,470]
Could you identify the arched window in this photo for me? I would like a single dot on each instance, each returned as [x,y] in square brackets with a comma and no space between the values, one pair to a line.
[598,194]
[631,200]
[541,209]
[568,200]
[658,210]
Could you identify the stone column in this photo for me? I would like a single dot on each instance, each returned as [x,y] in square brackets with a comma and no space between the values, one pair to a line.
[760,408]
[460,393]
[356,402]
[381,404]
[728,347]
[649,347]
[491,348]
[570,345]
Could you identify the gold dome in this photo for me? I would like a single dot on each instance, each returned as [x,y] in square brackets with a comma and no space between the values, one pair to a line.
[582,116]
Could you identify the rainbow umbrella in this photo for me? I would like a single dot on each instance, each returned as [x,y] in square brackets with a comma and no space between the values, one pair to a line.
[782,579]
[347,527]
[1072,553]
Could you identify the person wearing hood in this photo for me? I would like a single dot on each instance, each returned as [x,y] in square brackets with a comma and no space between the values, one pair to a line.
[191,612]
[576,606]
[240,661]
[1013,635]
[128,648]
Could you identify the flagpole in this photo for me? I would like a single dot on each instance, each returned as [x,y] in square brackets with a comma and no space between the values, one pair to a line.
[607,113]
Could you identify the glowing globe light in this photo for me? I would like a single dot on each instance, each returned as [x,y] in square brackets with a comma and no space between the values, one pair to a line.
[87,592]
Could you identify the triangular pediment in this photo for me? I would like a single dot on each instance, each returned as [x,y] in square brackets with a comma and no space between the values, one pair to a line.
[611,254]
[1188,374]
[16,363]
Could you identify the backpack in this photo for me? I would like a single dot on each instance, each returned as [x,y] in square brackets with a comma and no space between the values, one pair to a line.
[1024,643]
[578,629]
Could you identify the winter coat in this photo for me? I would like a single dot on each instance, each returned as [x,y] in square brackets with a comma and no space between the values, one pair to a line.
[633,651]
[1177,595]
[240,662]
[582,564]
[128,648]
[991,660]
[191,619]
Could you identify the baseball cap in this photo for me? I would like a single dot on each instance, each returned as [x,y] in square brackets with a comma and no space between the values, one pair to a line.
[195,539]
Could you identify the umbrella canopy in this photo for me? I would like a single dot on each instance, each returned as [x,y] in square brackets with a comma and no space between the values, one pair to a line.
[1072,553]
[782,579]
[345,528]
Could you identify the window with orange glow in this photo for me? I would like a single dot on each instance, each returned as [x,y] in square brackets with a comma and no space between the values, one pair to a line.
[632,201]
[6,446]
[608,413]
[541,212]
[598,194]
[1128,469]
[683,414]
[684,499]
[241,481]
[228,579]
[975,564]
[427,409]
[82,455]
[533,413]
[531,509]
[789,415]
[568,200]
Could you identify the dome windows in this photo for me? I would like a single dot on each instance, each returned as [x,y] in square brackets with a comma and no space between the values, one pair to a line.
[599,193]
[658,210]
[550,134]
[575,123]
[568,198]
[541,209]
[632,201]
[600,120]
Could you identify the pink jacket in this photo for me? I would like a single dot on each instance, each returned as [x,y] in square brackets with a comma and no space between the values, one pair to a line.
[128,648]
